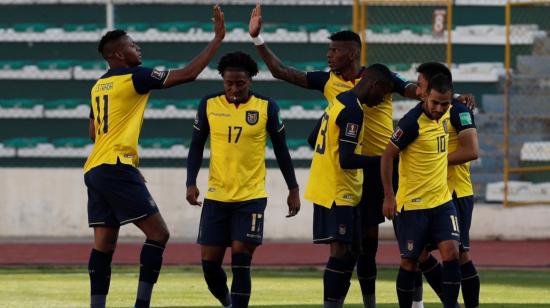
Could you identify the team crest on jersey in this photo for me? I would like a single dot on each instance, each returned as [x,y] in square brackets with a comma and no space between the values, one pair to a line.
[252,117]
[410,245]
[157,74]
[397,134]
[445,128]
[342,229]
[352,130]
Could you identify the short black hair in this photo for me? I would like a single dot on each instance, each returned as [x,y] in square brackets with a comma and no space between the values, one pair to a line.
[430,69]
[441,83]
[346,36]
[381,73]
[239,61]
[108,37]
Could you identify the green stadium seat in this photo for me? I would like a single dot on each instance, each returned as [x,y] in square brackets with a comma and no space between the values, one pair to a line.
[186,104]
[400,67]
[24,142]
[311,65]
[229,26]
[160,143]
[135,26]
[82,27]
[71,142]
[285,103]
[19,103]
[31,27]
[13,64]
[55,64]
[92,65]
[313,104]
[177,26]
[295,144]
[69,103]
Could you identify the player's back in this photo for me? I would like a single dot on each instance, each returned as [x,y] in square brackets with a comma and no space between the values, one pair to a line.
[118,101]
[422,160]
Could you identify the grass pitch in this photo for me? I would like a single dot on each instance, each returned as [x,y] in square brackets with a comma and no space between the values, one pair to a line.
[184,287]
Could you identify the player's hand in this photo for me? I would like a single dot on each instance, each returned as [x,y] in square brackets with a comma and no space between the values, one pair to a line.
[389,208]
[219,23]
[467,99]
[255,24]
[193,195]
[293,202]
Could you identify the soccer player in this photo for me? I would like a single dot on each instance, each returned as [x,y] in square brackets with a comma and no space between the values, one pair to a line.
[238,122]
[117,194]
[463,148]
[423,211]
[335,181]
[345,72]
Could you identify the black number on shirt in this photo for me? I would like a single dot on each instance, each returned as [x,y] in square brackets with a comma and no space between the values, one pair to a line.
[239,129]
[105,114]
[320,148]
[441,145]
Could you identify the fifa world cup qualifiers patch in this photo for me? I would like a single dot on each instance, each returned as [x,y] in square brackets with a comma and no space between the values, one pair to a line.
[157,74]
[465,118]
[397,134]
[445,127]
[252,117]
[352,130]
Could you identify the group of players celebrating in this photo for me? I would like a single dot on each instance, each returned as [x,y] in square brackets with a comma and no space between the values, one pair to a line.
[359,162]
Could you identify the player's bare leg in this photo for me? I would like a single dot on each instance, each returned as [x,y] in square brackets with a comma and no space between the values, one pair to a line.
[99,265]
[451,272]
[157,235]
[366,265]
[338,271]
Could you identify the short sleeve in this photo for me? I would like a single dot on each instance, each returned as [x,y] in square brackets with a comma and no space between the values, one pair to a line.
[350,119]
[274,121]
[201,119]
[461,117]
[400,83]
[405,132]
[146,79]
[317,80]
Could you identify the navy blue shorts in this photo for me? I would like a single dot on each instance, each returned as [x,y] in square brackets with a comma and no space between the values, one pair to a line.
[417,228]
[372,199]
[337,224]
[224,222]
[464,208]
[117,195]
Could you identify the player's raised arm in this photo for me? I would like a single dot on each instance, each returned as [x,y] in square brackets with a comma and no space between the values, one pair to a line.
[191,71]
[277,68]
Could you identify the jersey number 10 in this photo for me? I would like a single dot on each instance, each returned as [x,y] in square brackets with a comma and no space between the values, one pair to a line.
[105,114]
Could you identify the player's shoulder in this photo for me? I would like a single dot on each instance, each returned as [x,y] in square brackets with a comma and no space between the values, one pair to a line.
[262,98]
[209,97]
[349,100]
[120,71]
[414,113]
[457,106]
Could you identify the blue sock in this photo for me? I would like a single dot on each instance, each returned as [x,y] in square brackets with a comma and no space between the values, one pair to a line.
[242,284]
[432,270]
[150,264]
[451,283]
[366,273]
[418,290]
[405,287]
[215,278]
[470,285]
[336,279]
[99,269]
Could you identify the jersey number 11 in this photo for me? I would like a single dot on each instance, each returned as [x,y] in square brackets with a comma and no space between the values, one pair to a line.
[105,114]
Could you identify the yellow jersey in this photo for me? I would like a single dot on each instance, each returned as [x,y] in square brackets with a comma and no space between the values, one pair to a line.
[328,183]
[118,101]
[238,136]
[458,177]
[378,120]
[423,145]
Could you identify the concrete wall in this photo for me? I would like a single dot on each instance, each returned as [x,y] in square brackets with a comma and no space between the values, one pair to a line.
[51,203]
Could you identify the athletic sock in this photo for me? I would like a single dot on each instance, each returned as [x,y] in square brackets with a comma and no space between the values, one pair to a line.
[150,265]
[99,269]
[335,281]
[215,278]
[242,284]
[418,289]
[366,273]
[432,270]
[405,288]
[470,285]
[451,283]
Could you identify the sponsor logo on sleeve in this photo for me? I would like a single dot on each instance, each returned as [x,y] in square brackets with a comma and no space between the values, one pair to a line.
[352,130]
[279,118]
[397,134]
[465,118]
[445,127]
[157,74]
